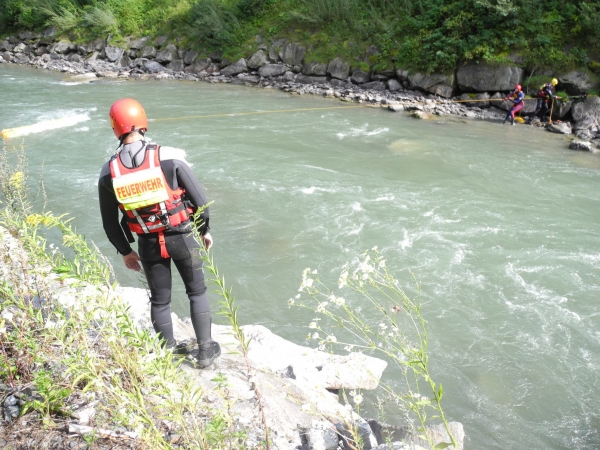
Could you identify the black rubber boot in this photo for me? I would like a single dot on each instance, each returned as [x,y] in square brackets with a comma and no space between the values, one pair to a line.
[183,348]
[207,353]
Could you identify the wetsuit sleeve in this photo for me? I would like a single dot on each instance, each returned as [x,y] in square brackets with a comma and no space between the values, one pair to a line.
[109,211]
[193,192]
[549,91]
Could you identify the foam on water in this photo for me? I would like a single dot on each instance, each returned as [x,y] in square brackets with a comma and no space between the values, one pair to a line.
[361,131]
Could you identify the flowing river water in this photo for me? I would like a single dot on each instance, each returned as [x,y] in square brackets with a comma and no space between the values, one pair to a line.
[499,224]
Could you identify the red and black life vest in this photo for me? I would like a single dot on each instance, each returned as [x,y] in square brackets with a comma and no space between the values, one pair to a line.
[543,92]
[146,199]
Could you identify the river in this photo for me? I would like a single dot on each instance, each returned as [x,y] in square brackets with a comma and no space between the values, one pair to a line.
[498,223]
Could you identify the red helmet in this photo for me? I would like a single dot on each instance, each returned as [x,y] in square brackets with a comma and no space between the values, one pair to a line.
[127,115]
[518,88]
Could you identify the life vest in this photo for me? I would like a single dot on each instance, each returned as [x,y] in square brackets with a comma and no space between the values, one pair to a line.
[148,203]
[543,92]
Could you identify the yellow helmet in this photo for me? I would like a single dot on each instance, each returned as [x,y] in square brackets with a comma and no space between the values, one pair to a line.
[554,81]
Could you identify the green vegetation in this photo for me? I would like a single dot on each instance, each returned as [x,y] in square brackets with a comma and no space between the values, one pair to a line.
[432,36]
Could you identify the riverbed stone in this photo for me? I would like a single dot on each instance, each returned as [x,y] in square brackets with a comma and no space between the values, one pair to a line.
[19,48]
[198,66]
[374,85]
[314,68]
[153,67]
[576,82]
[176,65]
[168,54]
[113,54]
[292,54]
[236,68]
[482,77]
[339,69]
[160,41]
[73,57]
[190,56]
[588,122]
[272,70]
[359,76]
[257,60]
[138,44]
[438,84]
[21,58]
[393,85]
[560,128]
[63,47]
[589,107]
[148,51]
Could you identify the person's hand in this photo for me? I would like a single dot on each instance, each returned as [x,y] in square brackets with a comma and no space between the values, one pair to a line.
[131,261]
[207,240]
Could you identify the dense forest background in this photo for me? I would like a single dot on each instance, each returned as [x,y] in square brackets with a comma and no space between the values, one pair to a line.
[426,35]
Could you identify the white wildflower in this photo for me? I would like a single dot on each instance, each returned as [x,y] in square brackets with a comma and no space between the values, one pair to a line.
[291,301]
[352,393]
[297,296]
[358,399]
[340,301]
[312,325]
[331,298]
[321,347]
[331,338]
[322,307]
[348,406]
[374,249]
[309,282]
[314,272]
[349,348]
[381,263]
[315,336]
[383,326]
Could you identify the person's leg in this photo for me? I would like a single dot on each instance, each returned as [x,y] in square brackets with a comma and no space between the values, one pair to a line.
[185,252]
[158,274]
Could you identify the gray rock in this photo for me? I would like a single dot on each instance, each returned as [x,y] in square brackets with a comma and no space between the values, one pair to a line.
[74,57]
[216,56]
[63,47]
[198,66]
[560,128]
[137,44]
[314,68]
[393,85]
[584,135]
[375,85]
[576,83]
[589,107]
[439,435]
[402,75]
[49,32]
[236,68]
[562,109]
[21,58]
[320,436]
[190,57]
[360,77]
[6,46]
[19,48]
[438,84]
[396,108]
[133,54]
[10,401]
[272,70]
[11,412]
[97,45]
[293,54]
[160,41]
[245,78]
[6,56]
[176,65]
[483,77]
[213,68]
[289,76]
[364,430]
[149,52]
[113,54]
[387,433]
[257,60]
[306,79]
[181,53]
[339,69]
[338,83]
[167,55]
[92,57]
[586,123]
[41,50]
[153,67]
[27,35]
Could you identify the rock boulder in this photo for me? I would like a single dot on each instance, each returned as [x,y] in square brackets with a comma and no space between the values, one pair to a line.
[272,70]
[484,77]
[576,82]
[257,60]
[339,69]
[589,107]
[437,84]
[293,54]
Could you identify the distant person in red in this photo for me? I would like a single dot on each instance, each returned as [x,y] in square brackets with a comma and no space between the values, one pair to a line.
[516,97]
[156,193]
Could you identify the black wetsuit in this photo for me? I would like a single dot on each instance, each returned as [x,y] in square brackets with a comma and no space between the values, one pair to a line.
[182,246]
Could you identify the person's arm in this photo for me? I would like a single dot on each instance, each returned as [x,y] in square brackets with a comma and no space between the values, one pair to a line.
[193,192]
[109,212]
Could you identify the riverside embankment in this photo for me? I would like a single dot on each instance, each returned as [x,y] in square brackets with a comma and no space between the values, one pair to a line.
[477,89]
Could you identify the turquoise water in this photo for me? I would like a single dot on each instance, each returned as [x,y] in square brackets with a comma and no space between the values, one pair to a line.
[498,223]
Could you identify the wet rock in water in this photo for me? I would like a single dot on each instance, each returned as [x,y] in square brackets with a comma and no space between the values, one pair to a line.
[84,77]
[560,128]
[421,115]
[581,145]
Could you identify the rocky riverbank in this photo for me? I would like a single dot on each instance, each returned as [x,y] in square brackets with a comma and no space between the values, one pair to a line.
[297,391]
[473,91]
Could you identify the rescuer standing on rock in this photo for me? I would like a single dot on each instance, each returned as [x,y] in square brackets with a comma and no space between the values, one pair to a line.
[156,195]
[544,94]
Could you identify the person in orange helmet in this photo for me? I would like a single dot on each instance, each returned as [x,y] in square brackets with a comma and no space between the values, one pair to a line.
[156,195]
